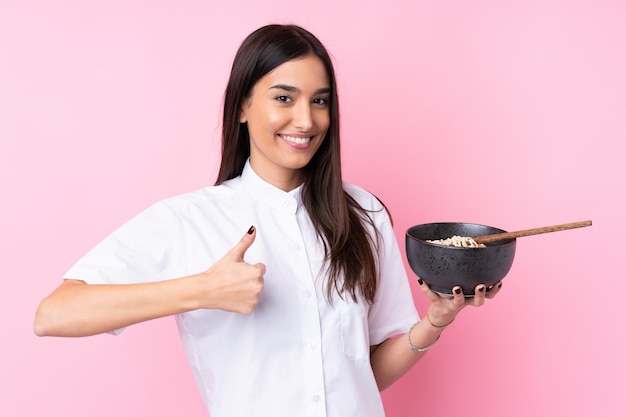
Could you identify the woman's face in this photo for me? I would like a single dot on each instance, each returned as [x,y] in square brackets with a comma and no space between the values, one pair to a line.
[287,115]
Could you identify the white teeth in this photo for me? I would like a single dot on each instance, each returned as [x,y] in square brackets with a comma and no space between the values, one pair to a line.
[293,139]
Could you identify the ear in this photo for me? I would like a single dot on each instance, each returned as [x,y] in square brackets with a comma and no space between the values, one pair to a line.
[243,117]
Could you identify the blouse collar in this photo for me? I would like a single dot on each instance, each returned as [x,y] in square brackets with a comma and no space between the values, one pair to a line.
[262,190]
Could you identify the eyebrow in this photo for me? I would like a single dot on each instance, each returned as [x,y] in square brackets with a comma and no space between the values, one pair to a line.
[293,89]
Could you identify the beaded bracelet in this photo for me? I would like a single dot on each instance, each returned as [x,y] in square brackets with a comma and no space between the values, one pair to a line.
[416,349]
[435,326]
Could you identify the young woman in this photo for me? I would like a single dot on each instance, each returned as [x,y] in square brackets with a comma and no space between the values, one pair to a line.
[298,316]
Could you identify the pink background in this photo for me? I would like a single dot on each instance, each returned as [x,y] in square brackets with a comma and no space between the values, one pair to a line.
[507,113]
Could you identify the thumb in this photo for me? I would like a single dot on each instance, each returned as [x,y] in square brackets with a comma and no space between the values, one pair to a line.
[239,250]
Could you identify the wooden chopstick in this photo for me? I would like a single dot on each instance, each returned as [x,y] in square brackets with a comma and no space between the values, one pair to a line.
[529,232]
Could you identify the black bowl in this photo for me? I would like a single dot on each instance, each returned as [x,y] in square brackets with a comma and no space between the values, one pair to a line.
[444,267]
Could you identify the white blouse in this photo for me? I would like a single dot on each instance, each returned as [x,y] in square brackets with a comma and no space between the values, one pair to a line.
[296,354]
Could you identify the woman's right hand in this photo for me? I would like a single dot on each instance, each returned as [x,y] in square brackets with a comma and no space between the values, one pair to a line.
[231,284]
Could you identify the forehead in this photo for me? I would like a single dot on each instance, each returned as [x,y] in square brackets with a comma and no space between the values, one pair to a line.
[304,73]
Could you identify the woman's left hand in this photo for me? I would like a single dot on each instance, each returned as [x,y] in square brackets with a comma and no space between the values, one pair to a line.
[444,307]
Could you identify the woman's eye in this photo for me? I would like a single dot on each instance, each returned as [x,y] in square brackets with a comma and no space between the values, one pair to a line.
[321,101]
[284,99]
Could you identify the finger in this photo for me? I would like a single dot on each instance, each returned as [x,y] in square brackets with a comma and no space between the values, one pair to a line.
[260,268]
[458,296]
[479,295]
[239,250]
[427,291]
[493,291]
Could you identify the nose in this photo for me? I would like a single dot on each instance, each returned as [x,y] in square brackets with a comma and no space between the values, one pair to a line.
[302,116]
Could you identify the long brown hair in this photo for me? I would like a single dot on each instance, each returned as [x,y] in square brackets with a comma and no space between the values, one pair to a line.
[338,219]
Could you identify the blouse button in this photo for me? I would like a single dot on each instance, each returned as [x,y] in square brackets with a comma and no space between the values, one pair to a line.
[316,398]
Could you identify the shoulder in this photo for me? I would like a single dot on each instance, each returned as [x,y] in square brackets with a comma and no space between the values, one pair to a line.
[366,200]
[201,197]
[179,209]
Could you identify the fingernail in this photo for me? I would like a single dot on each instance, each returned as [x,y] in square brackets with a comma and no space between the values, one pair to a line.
[419,281]
[250,230]
[500,285]
[481,289]
[457,291]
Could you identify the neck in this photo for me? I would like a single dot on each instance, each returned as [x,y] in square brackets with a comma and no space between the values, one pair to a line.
[284,179]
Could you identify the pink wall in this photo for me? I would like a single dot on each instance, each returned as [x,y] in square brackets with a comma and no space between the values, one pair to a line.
[507,113]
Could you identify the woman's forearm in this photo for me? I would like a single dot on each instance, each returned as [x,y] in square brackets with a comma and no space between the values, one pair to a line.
[394,357]
[79,309]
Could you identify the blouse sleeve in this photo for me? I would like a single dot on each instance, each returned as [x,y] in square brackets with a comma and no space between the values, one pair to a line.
[149,247]
[393,311]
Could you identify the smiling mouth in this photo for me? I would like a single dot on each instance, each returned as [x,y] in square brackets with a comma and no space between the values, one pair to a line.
[298,140]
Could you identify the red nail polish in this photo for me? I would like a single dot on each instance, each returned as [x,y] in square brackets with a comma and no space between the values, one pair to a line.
[457,291]
[419,281]
[250,230]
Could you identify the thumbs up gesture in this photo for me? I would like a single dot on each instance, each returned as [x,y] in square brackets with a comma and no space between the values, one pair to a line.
[231,284]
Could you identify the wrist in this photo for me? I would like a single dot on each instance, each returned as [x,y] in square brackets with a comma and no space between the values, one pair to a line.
[439,319]
[434,323]
[422,336]
[193,292]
